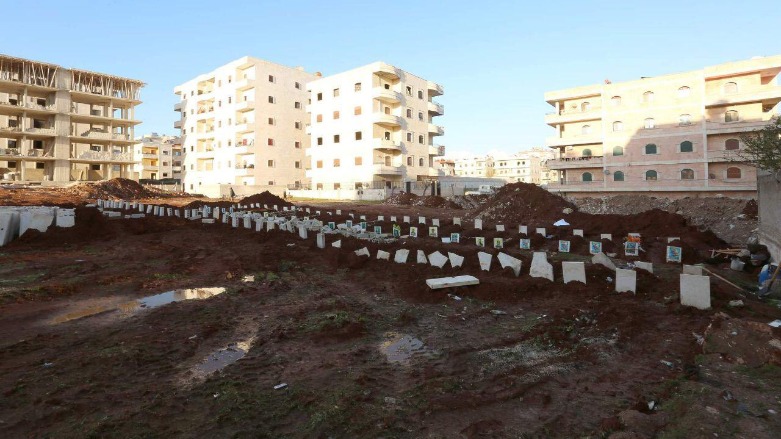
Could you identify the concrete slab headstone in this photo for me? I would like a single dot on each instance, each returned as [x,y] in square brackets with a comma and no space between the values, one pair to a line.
[437,259]
[485,260]
[626,280]
[573,271]
[456,261]
[508,261]
[695,291]
[540,266]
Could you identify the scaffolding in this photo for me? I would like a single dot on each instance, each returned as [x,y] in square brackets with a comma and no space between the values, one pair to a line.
[28,72]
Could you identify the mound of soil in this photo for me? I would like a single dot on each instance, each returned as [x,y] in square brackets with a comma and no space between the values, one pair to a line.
[519,203]
[116,188]
[401,199]
[265,197]
[435,201]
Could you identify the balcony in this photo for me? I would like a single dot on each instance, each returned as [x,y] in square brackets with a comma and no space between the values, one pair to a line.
[573,115]
[149,155]
[178,106]
[723,156]
[246,170]
[386,145]
[204,95]
[178,124]
[435,130]
[436,108]
[386,71]
[243,126]
[770,94]
[386,95]
[434,89]
[44,132]
[29,107]
[105,156]
[383,169]
[245,84]
[586,139]
[387,120]
[245,106]
[595,161]
[741,126]
[436,150]
[247,149]
[176,168]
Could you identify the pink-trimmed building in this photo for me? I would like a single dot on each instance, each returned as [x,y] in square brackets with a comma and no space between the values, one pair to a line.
[672,135]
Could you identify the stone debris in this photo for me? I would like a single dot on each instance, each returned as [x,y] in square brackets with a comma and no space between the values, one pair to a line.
[448,282]
[437,259]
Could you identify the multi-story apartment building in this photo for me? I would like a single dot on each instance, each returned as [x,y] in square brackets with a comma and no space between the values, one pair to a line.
[525,166]
[159,158]
[474,166]
[373,127]
[446,167]
[672,135]
[243,124]
[60,125]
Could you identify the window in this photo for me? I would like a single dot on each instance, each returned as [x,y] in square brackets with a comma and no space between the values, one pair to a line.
[730,88]
[409,137]
[648,97]
[271,78]
[421,162]
[684,92]
[92,167]
[298,85]
[686,146]
[319,164]
[732,144]
[336,138]
[616,100]
[297,105]
[319,117]
[409,113]
[585,129]
[409,90]
[271,100]
[420,139]
[319,96]
[617,150]
[337,163]
[586,153]
[270,183]
[650,123]
[297,144]
[230,99]
[336,115]
[297,124]
[586,176]
[410,160]
[687,174]
[650,148]
[271,121]
[420,115]
[358,161]
[357,86]
[319,186]
[319,140]
[618,176]
[358,135]
[651,175]
[731,116]
[336,92]
[585,106]
[420,94]
[337,186]
[685,119]
[270,142]
[618,126]
[357,111]
[733,172]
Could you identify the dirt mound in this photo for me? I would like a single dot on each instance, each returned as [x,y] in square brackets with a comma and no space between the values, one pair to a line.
[265,197]
[401,199]
[116,188]
[518,203]
[435,201]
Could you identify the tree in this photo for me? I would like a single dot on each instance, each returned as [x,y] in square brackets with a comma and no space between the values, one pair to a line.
[763,147]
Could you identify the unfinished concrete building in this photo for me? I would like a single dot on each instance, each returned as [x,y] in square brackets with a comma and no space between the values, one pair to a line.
[61,125]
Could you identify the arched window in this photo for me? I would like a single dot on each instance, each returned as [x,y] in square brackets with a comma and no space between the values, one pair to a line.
[731,116]
[684,92]
[732,144]
[421,162]
[586,153]
[651,148]
[733,172]
[617,150]
[685,119]
[730,88]
[618,126]
[585,129]
[587,176]
[618,176]
[650,123]
[651,175]
[648,96]
[585,106]
[687,146]
[687,174]
[616,100]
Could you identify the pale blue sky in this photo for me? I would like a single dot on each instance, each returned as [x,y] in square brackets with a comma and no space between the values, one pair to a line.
[495,59]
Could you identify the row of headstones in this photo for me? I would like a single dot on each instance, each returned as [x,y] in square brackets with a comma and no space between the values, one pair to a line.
[16,220]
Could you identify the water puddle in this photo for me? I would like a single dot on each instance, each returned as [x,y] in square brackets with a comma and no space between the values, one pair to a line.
[139,304]
[401,348]
[220,359]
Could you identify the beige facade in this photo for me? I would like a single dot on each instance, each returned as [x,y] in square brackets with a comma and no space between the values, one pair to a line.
[158,157]
[673,135]
[474,167]
[60,125]
[244,124]
[525,166]
[446,167]
[373,127]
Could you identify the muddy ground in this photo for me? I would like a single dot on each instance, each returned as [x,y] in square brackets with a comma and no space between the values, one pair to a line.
[364,348]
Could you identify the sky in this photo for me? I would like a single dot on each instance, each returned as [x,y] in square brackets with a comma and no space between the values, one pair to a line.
[495,59]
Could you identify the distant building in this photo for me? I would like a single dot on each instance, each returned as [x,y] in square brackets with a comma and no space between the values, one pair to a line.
[526,166]
[474,167]
[158,158]
[672,135]
[446,167]
[59,125]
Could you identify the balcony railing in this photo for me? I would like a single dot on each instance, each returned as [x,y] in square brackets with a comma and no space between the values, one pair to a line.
[8,129]
[43,131]
[384,144]
[106,156]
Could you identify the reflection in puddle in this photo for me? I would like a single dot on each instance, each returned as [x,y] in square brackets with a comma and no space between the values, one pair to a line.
[220,359]
[400,348]
[143,303]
